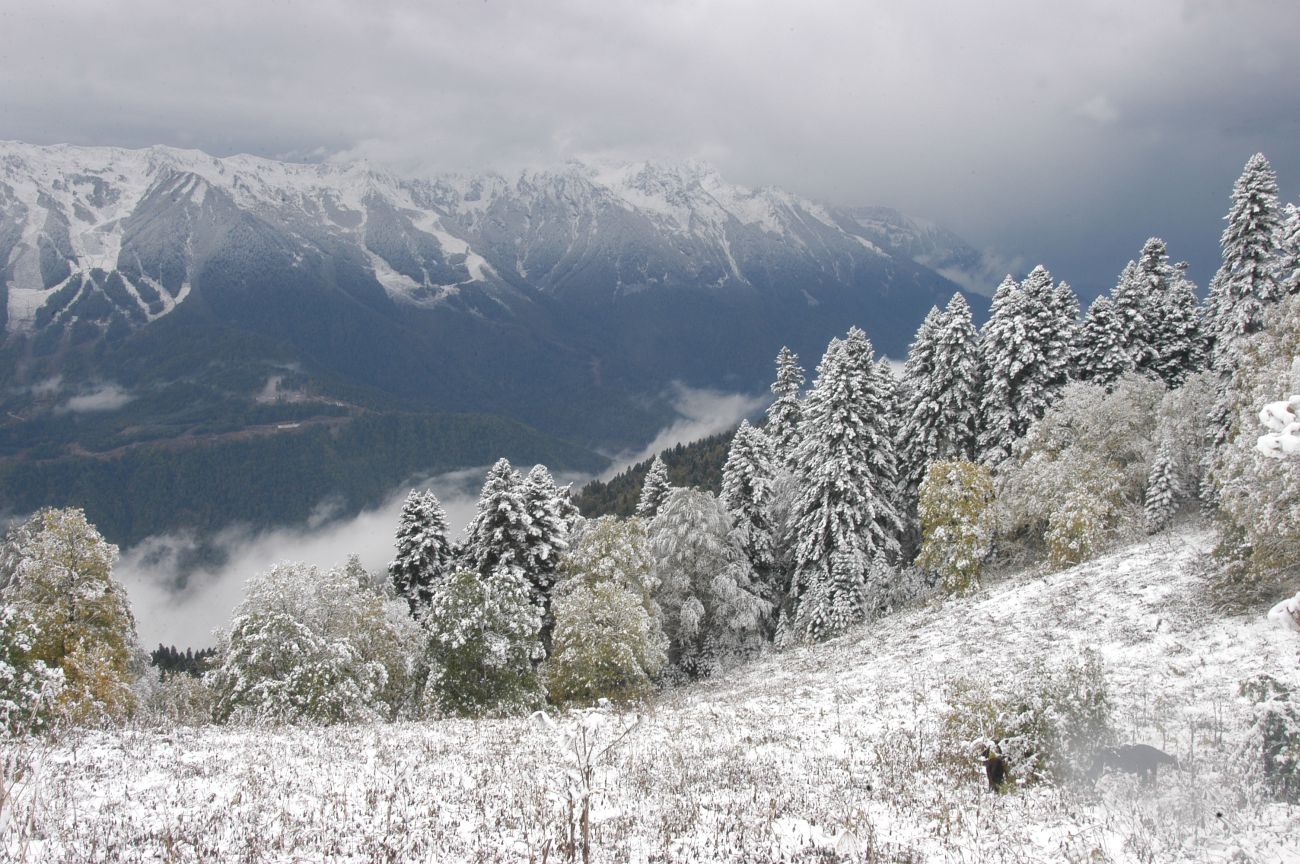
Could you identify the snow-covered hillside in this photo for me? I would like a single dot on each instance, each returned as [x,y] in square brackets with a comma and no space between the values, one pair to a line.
[833,752]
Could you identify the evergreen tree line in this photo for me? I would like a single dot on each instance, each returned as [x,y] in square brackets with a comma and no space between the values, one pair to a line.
[1042,433]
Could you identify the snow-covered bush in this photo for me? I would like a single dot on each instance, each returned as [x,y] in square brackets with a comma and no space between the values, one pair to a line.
[1287,613]
[609,641]
[956,514]
[1257,494]
[484,644]
[713,614]
[1275,735]
[1080,470]
[307,646]
[1047,722]
[28,687]
[605,646]
[59,579]
[1281,418]
[173,699]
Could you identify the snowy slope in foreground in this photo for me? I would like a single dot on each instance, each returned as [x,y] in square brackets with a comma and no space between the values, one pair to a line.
[823,754]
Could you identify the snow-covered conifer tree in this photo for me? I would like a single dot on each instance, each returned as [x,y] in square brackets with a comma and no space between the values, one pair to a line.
[1028,349]
[423,553]
[786,411]
[713,614]
[1132,305]
[1162,492]
[1066,306]
[654,489]
[1102,356]
[551,515]
[1054,320]
[748,484]
[1288,251]
[846,508]
[939,417]
[1248,275]
[501,532]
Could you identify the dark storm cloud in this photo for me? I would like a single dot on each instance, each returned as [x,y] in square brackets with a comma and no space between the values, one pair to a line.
[1064,133]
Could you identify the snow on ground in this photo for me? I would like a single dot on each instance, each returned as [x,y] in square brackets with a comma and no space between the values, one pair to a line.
[828,753]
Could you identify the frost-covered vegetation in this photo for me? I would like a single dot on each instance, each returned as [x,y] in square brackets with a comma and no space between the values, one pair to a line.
[946,531]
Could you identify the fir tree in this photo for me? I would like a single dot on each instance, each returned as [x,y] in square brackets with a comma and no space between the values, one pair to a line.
[748,484]
[1103,358]
[500,533]
[845,514]
[551,515]
[1162,492]
[786,411]
[1288,251]
[1027,350]
[1052,326]
[423,553]
[1180,347]
[713,614]
[654,489]
[939,417]
[1248,277]
[1131,308]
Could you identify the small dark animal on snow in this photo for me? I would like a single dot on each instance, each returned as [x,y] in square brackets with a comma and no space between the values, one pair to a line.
[990,756]
[1139,759]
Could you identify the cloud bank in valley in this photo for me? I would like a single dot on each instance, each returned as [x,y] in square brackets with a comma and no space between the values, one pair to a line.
[188,615]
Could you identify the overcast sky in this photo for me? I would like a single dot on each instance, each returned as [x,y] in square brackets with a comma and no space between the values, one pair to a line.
[1065,133]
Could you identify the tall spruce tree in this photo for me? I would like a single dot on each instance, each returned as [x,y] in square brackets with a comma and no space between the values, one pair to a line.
[423,553]
[845,515]
[1027,352]
[1288,251]
[654,489]
[748,484]
[786,411]
[550,513]
[1102,354]
[1162,491]
[940,417]
[1052,328]
[1248,275]
[500,533]
[1176,332]
[1132,306]
[1001,344]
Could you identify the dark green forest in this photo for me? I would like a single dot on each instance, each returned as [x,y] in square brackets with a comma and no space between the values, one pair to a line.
[697,464]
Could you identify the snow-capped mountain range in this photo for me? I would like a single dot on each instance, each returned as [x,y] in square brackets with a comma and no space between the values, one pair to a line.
[457,290]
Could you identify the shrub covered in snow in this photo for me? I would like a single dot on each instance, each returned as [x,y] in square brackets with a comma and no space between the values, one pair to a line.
[1275,735]
[1257,494]
[484,644]
[956,513]
[609,642]
[713,614]
[1080,470]
[1047,721]
[315,647]
[58,579]
[606,646]
[28,687]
